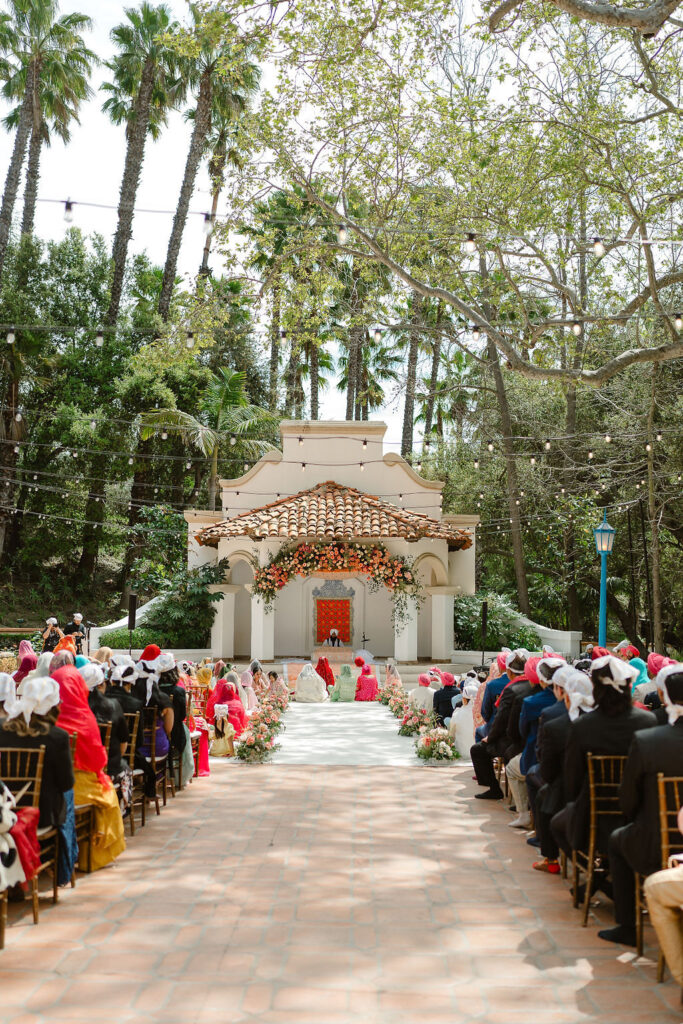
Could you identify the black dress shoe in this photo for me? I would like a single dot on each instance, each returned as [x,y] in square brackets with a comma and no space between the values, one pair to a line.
[624,934]
[490,794]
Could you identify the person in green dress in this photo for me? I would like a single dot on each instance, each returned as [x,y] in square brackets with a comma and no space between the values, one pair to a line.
[345,687]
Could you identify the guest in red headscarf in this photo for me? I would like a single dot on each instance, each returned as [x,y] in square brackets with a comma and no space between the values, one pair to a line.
[92,785]
[225,693]
[367,687]
[323,669]
[423,695]
[27,664]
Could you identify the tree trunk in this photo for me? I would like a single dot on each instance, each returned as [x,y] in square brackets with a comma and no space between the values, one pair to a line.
[202,125]
[204,268]
[213,479]
[411,378]
[8,460]
[314,368]
[216,173]
[352,372]
[291,377]
[135,154]
[32,178]
[138,494]
[655,555]
[509,452]
[275,346]
[13,178]
[434,375]
[94,519]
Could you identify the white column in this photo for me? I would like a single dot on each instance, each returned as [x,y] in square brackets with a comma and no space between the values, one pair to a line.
[442,621]
[262,630]
[405,635]
[223,628]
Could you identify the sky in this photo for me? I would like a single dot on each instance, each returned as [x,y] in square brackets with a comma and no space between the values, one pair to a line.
[89,170]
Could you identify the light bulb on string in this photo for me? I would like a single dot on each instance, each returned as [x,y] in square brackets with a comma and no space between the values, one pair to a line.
[532,460]
[11,336]
[400,497]
[419,466]
[678,321]
[490,446]
[283,335]
[476,333]
[303,466]
[207,226]
[93,424]
[362,467]
[131,460]
[562,490]
[607,439]
[233,439]
[590,455]
[547,446]
[68,211]
[648,447]
[659,436]
[342,234]
[164,435]
[365,443]
[246,467]
[576,328]
[598,246]
[476,463]
[481,494]
[189,340]
[188,465]
[470,242]
[378,335]
[18,417]
[301,442]
[99,339]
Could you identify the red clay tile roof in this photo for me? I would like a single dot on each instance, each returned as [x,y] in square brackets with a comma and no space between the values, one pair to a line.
[332,511]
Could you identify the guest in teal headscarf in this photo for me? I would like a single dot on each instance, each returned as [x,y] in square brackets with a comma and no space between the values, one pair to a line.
[641,668]
[81,661]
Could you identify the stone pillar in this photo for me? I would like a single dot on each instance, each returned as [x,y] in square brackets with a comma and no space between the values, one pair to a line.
[442,621]
[405,635]
[262,630]
[223,628]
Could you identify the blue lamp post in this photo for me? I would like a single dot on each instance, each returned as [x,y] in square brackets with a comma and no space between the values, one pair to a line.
[604,542]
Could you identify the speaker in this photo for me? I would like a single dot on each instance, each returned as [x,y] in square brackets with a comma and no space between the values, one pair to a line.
[484,617]
[132,609]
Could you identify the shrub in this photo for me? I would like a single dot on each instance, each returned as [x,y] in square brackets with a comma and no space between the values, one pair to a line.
[502,629]
[118,639]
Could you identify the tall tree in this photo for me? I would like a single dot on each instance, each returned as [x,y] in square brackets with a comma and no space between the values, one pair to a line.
[32,35]
[223,79]
[222,151]
[145,86]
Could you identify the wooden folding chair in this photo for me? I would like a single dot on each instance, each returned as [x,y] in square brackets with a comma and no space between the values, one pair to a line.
[84,817]
[604,780]
[21,769]
[149,730]
[138,794]
[670,792]
[3,917]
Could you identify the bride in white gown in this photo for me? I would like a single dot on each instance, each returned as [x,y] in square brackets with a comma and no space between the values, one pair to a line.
[310,687]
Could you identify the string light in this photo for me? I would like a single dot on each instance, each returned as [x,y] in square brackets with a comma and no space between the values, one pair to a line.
[283,335]
[131,460]
[470,242]
[303,466]
[362,467]
[590,455]
[233,439]
[419,466]
[607,438]
[547,446]
[93,424]
[18,417]
[476,333]
[301,442]
[246,467]
[342,234]
[207,226]
[99,339]
[11,336]
[532,460]
[164,435]
[188,465]
[378,335]
[576,328]
[189,340]
[490,446]
[598,247]
[365,443]
[476,463]
[648,447]
[659,436]
[68,211]
[678,321]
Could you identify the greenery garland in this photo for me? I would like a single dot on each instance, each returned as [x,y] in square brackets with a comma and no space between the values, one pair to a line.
[382,569]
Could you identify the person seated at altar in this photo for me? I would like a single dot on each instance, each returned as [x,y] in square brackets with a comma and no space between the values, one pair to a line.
[325,672]
[247,681]
[367,686]
[224,694]
[461,723]
[443,700]
[310,687]
[333,639]
[345,687]
[422,696]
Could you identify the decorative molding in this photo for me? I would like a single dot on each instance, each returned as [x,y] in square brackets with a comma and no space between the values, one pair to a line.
[333,588]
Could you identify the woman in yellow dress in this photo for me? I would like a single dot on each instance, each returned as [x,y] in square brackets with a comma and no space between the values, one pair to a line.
[92,784]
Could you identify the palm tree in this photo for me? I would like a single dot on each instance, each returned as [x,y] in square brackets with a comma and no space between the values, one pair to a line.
[226,414]
[379,365]
[62,87]
[220,146]
[145,86]
[220,93]
[32,37]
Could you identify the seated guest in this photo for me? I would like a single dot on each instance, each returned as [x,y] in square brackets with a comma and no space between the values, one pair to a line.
[498,680]
[107,710]
[325,672]
[664,895]
[8,693]
[517,767]
[247,682]
[392,674]
[146,689]
[259,681]
[67,643]
[232,677]
[62,659]
[423,695]
[310,687]
[277,685]
[170,686]
[91,785]
[498,742]
[655,663]
[27,663]
[225,695]
[121,679]
[344,689]
[367,687]
[573,691]
[103,656]
[30,722]
[461,722]
[443,700]
[636,847]
[607,730]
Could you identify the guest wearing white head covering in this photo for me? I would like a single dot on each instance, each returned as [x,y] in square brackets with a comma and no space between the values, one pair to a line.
[636,847]
[8,692]
[107,710]
[461,726]
[608,730]
[310,687]
[30,723]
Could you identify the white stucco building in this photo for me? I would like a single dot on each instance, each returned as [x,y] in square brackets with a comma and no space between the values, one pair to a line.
[333,481]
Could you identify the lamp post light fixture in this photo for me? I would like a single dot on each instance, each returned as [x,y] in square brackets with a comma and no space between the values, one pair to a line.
[604,542]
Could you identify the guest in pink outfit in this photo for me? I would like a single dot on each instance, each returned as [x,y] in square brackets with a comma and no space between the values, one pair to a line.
[366,687]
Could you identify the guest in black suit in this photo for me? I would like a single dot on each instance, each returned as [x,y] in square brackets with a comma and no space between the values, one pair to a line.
[637,846]
[608,730]
[497,742]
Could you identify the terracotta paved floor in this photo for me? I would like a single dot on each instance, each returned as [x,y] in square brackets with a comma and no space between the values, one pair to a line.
[308,895]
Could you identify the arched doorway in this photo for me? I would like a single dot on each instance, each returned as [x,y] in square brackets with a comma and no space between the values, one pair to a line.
[431,573]
[242,574]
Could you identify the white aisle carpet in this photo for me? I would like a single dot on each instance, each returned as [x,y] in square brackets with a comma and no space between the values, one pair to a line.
[343,734]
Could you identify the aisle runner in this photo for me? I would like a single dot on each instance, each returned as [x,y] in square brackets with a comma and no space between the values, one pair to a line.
[343,734]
